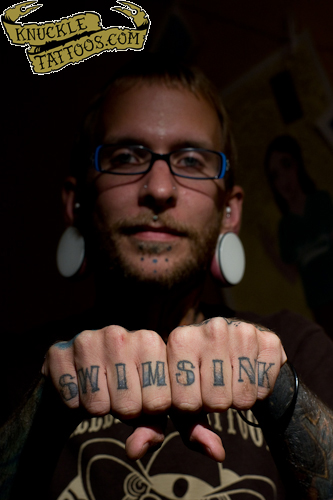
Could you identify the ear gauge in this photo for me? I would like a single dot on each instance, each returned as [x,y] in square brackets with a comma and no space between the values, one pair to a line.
[228,264]
[71,253]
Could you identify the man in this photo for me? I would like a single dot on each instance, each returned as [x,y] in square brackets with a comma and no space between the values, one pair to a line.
[152,357]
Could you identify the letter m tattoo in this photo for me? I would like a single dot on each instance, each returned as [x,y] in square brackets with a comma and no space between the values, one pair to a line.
[148,378]
[92,376]
[250,370]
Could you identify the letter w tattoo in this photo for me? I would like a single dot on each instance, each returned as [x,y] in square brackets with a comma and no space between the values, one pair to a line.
[92,376]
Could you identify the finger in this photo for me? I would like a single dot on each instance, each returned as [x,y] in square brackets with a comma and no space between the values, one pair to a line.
[198,436]
[271,358]
[245,349]
[89,363]
[154,375]
[148,435]
[59,366]
[122,373]
[184,369]
[215,368]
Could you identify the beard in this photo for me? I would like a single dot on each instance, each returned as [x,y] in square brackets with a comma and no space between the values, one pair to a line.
[112,262]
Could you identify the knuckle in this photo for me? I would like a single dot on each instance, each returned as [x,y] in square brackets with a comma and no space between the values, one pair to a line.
[179,337]
[216,327]
[98,407]
[248,337]
[127,410]
[244,402]
[73,404]
[187,405]
[83,342]
[245,397]
[158,404]
[150,338]
[218,403]
[115,337]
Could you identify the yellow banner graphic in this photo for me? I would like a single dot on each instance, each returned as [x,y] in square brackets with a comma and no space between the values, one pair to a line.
[51,46]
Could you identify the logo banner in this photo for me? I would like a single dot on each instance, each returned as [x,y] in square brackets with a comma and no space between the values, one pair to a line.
[51,46]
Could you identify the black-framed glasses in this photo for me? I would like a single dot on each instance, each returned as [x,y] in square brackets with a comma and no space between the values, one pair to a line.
[191,163]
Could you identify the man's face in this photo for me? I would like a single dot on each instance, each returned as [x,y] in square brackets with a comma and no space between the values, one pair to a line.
[180,243]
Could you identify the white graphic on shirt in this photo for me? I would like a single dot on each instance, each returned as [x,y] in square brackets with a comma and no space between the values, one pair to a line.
[140,484]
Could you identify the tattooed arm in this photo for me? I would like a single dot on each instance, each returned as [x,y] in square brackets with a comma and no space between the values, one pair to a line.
[31,442]
[301,446]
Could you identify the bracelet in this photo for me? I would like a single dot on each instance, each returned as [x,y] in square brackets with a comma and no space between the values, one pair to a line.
[285,418]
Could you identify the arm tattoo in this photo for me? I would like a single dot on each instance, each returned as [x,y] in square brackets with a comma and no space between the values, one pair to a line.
[303,450]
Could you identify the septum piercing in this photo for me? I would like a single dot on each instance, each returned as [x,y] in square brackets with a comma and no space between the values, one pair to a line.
[146,187]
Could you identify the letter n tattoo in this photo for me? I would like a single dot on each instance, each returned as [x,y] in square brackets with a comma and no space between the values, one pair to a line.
[121,376]
[218,372]
[148,378]
[92,376]
[250,370]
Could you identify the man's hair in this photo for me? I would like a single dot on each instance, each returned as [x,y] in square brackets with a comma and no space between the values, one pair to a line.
[148,69]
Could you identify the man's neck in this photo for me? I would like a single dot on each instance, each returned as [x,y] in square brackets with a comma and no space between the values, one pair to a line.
[148,307]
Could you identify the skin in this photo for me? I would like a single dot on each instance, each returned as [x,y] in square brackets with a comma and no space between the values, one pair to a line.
[90,372]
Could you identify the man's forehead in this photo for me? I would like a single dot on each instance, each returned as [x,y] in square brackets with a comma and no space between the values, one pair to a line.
[158,109]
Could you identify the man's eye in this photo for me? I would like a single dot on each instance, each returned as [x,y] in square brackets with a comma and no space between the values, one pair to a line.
[190,162]
[124,158]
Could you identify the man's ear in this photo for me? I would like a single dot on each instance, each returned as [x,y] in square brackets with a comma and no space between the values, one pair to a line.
[232,217]
[69,199]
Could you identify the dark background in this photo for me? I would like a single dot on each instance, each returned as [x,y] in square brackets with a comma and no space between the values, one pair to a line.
[40,115]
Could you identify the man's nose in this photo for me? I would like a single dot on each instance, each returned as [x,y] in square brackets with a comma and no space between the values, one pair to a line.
[158,186]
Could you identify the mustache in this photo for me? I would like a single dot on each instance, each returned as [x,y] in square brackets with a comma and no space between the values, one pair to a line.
[165,220]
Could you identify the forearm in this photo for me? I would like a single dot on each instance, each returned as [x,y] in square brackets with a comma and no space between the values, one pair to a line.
[302,447]
[31,442]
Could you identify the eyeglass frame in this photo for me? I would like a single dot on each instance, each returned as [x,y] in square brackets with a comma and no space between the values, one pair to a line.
[225,164]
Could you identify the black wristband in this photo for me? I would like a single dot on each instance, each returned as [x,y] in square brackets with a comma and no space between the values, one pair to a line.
[283,421]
